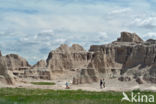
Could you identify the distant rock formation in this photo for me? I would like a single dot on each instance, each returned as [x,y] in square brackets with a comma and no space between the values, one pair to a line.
[4,75]
[38,71]
[88,76]
[129,37]
[40,64]
[67,58]
[14,62]
[121,56]
[35,73]
[126,59]
[151,41]
[113,60]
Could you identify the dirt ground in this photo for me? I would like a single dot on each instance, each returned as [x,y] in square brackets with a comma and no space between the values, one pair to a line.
[111,85]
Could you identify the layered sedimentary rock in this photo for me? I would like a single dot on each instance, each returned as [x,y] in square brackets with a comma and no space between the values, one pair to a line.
[150,74]
[10,65]
[40,64]
[121,54]
[67,58]
[4,75]
[15,62]
[37,74]
[126,58]
[37,71]
[86,76]
[151,41]
[129,37]
[114,59]
[128,52]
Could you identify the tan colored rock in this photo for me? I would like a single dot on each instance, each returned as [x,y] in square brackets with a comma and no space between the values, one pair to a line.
[67,58]
[143,55]
[125,55]
[106,57]
[86,76]
[5,77]
[151,41]
[129,56]
[0,54]
[40,64]
[36,73]
[14,62]
[150,74]
[129,37]
[76,48]
[139,81]
[122,57]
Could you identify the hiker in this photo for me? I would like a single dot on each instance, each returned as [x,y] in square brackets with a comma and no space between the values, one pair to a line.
[67,85]
[104,83]
[101,83]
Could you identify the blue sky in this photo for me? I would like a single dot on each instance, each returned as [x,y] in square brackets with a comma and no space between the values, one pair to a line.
[32,28]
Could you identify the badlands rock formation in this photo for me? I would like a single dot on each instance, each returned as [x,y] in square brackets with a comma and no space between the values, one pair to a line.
[4,74]
[10,67]
[67,58]
[14,67]
[129,37]
[40,64]
[14,62]
[129,55]
[128,58]
[111,60]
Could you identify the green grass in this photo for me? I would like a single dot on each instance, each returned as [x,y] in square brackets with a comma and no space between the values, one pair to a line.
[43,83]
[38,96]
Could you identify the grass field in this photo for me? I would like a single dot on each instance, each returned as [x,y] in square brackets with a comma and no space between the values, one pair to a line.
[38,96]
[43,83]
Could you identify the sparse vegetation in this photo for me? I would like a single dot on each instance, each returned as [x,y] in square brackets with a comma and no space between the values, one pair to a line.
[43,83]
[38,96]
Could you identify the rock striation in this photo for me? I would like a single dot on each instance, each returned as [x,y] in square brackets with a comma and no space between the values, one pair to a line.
[128,55]
[40,64]
[4,74]
[128,58]
[129,37]
[151,41]
[67,58]
[128,52]
[15,62]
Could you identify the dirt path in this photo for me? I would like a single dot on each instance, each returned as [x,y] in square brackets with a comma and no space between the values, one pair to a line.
[111,85]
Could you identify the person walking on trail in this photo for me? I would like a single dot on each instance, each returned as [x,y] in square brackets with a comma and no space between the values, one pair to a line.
[104,83]
[101,83]
[67,85]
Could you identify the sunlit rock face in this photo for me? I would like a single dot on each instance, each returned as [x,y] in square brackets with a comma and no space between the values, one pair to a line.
[127,58]
[4,74]
[67,58]
[14,62]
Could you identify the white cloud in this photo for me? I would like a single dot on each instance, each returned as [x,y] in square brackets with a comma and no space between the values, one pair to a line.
[47,31]
[61,41]
[103,34]
[121,10]
[42,25]
[151,34]
[147,22]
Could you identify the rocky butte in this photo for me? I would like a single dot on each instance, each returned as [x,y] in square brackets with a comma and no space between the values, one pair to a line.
[128,58]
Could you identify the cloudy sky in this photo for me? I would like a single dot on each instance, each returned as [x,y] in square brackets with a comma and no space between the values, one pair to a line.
[32,28]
